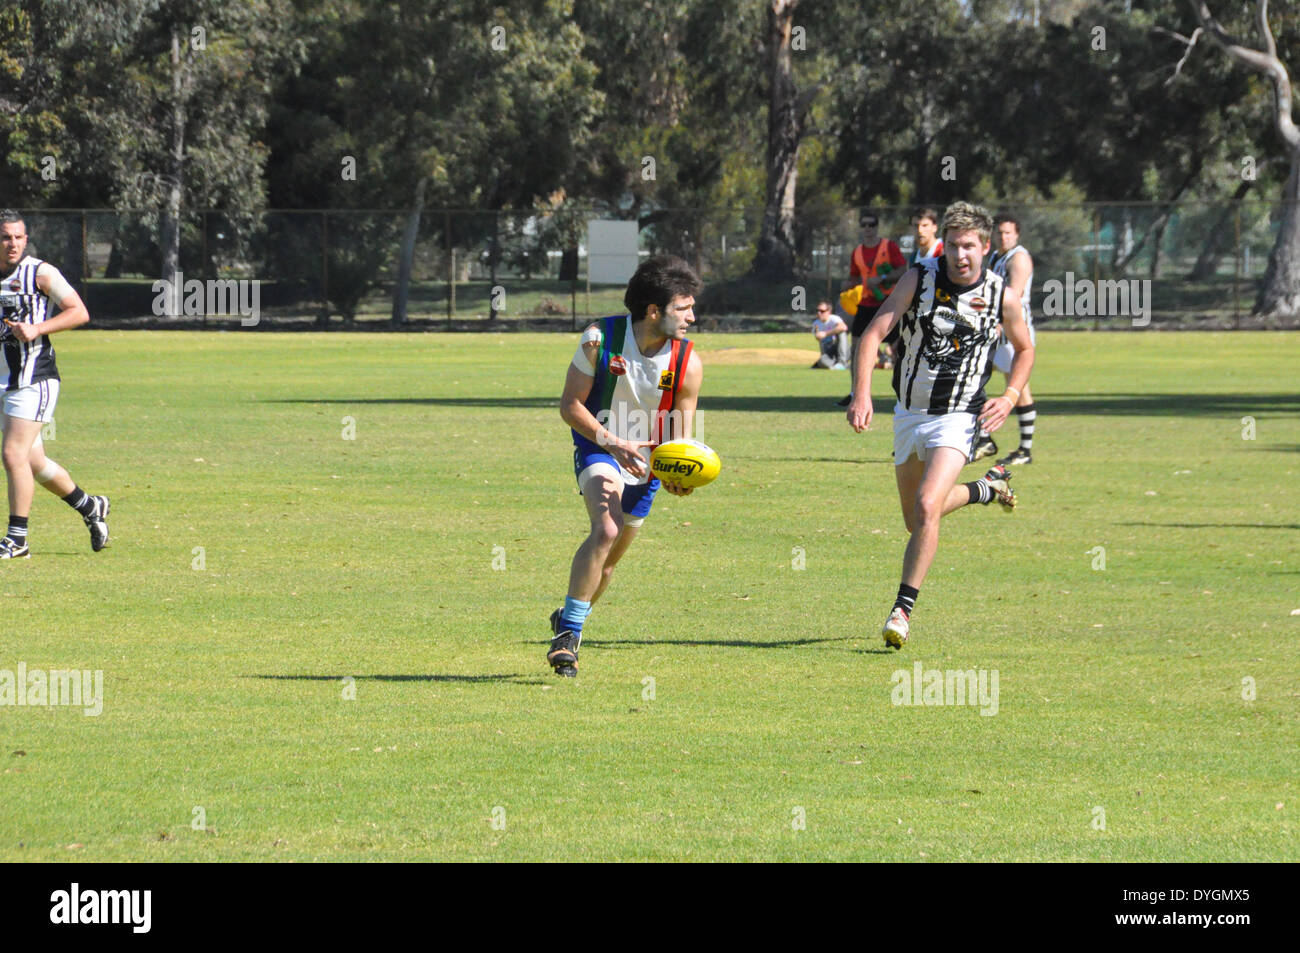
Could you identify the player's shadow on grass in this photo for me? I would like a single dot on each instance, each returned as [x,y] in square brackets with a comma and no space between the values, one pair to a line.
[1172,405]
[709,643]
[1219,525]
[759,403]
[505,402]
[1139,405]
[513,679]
[853,460]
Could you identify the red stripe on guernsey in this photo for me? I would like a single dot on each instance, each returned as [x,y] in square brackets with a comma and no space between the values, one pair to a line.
[666,401]
[682,360]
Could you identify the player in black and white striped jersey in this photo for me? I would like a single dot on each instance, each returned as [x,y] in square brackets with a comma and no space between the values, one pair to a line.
[36,301]
[1012,261]
[950,312]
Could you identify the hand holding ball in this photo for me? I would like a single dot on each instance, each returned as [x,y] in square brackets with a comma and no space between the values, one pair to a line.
[689,463]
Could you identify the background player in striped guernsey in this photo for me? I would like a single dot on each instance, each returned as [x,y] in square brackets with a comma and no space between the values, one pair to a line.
[1012,261]
[36,301]
[948,311]
[633,383]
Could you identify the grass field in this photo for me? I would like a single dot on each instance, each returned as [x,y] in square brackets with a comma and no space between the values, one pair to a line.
[259,558]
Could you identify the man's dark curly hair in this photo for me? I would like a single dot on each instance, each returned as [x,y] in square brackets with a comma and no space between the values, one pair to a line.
[657,281]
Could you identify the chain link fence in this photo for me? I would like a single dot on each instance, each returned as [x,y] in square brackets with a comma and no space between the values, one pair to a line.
[1191,265]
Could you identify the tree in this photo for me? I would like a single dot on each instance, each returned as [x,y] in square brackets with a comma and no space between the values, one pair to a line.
[787,114]
[1279,293]
[488,106]
[187,120]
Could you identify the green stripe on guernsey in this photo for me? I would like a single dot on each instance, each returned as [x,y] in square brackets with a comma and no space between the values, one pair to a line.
[611,345]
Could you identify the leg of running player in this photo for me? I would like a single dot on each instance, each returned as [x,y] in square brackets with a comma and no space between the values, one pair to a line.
[92,509]
[937,495]
[908,476]
[48,473]
[19,435]
[604,499]
[926,492]
[616,552]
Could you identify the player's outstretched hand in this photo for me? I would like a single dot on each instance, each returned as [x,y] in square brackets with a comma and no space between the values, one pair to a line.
[628,457]
[859,412]
[995,413]
[676,489]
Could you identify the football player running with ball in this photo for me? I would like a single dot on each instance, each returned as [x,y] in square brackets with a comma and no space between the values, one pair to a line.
[948,310]
[632,385]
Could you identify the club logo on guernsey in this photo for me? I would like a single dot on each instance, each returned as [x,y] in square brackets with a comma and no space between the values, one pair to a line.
[666,380]
[617,366]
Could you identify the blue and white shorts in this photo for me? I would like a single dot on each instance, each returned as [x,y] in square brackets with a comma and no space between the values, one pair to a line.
[590,461]
[33,402]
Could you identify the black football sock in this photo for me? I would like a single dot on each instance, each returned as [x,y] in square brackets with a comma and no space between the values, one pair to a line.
[1028,414]
[18,529]
[906,598]
[980,491]
[80,501]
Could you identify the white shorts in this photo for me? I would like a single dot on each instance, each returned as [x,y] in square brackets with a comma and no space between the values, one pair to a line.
[1004,352]
[33,402]
[920,433]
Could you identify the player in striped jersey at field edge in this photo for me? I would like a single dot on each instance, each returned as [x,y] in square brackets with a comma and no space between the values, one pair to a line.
[633,383]
[36,301]
[1012,261]
[949,311]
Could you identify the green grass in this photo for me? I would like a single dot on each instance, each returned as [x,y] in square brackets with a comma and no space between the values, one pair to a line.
[373,558]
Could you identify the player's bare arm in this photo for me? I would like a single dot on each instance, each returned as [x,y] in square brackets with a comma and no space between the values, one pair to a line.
[995,411]
[72,311]
[860,409]
[688,396]
[573,410]
[1018,271]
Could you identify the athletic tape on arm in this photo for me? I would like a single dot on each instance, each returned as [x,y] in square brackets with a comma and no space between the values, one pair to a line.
[59,288]
[580,359]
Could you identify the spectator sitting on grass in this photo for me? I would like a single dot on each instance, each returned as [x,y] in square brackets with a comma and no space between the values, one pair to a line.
[829,329]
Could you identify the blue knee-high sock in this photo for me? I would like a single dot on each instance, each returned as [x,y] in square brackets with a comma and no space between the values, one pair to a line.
[574,614]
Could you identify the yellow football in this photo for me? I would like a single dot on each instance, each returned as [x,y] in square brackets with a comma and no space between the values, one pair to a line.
[688,462]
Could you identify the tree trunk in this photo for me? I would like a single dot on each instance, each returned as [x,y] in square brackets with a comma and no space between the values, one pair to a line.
[774,260]
[402,289]
[569,264]
[1279,293]
[1207,262]
[171,213]
[922,174]
[1157,238]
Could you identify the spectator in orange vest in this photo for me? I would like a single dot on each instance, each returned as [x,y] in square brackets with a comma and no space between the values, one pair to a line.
[874,266]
